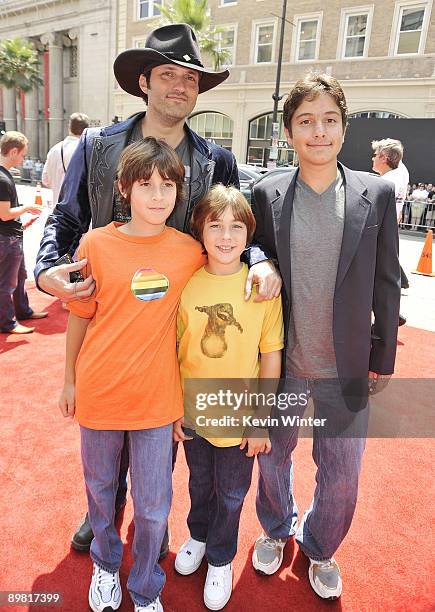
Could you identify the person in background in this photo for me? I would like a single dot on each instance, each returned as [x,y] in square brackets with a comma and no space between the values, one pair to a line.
[14,303]
[419,193]
[59,156]
[387,161]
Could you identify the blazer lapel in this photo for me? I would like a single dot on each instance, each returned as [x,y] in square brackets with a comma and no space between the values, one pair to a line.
[357,208]
[282,207]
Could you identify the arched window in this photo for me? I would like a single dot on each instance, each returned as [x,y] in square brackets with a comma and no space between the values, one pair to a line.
[376,115]
[215,127]
[260,140]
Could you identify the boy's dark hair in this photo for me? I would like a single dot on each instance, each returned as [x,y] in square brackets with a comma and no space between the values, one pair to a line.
[213,205]
[78,122]
[138,161]
[309,88]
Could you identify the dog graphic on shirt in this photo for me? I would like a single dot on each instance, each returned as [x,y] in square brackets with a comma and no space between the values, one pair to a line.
[213,342]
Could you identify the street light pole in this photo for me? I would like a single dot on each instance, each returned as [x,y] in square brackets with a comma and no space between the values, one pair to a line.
[273,154]
[276,97]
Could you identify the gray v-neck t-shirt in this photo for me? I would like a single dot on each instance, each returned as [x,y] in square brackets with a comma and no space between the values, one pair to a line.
[316,234]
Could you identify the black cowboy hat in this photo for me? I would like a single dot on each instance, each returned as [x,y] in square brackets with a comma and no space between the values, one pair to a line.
[171,44]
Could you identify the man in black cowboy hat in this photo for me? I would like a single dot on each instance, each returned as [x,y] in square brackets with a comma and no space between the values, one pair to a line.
[168,74]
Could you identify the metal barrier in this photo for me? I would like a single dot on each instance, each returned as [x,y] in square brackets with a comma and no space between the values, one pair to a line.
[418,216]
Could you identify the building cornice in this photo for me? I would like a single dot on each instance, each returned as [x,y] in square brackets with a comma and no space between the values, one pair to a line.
[14,7]
[334,61]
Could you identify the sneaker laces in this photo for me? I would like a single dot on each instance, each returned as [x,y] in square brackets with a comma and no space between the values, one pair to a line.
[105,580]
[269,543]
[326,564]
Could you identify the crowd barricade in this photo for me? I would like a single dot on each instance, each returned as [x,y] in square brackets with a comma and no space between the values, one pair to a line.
[418,216]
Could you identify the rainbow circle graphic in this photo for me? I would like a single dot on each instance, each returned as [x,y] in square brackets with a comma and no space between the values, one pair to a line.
[147,285]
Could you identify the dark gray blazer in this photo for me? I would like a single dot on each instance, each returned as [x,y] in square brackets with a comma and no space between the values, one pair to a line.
[368,276]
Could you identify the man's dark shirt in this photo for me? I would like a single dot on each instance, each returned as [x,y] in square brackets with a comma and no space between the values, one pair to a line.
[8,193]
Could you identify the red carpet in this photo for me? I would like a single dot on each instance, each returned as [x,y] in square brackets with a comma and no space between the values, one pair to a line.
[385,559]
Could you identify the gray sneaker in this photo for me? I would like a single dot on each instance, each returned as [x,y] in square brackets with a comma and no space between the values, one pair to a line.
[268,554]
[325,578]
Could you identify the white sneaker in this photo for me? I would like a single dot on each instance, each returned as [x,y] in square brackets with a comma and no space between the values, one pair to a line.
[154,606]
[268,554]
[325,578]
[189,557]
[105,591]
[218,586]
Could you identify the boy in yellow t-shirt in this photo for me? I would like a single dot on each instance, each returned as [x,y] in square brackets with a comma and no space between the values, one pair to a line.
[221,336]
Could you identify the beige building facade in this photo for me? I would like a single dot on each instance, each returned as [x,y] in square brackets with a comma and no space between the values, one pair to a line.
[382,51]
[76,43]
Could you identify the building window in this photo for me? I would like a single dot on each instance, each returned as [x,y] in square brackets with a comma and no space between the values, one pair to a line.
[409,30]
[307,38]
[148,8]
[227,42]
[375,115]
[215,127]
[139,43]
[260,140]
[264,42]
[356,27]
[227,2]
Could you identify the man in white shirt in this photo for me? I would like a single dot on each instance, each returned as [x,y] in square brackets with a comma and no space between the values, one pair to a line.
[421,193]
[60,155]
[387,161]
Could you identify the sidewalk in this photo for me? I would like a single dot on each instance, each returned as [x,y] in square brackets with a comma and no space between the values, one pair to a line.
[418,302]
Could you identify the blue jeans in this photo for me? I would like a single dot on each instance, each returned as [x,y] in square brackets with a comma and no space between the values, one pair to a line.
[338,460]
[121,493]
[150,453]
[14,303]
[218,483]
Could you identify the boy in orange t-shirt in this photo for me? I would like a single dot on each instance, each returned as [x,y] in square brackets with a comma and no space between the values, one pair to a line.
[121,375]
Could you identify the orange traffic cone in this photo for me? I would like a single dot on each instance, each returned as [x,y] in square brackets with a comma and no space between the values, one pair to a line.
[38,194]
[425,263]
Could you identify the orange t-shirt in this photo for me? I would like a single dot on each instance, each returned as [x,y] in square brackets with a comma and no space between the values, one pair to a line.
[127,374]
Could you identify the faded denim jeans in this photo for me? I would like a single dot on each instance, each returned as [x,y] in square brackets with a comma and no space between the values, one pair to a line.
[338,460]
[150,452]
[14,303]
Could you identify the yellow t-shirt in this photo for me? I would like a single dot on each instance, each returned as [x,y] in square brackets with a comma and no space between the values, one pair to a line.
[221,336]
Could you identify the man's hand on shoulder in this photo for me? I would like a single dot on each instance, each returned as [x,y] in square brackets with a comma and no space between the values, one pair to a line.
[267,279]
[56,281]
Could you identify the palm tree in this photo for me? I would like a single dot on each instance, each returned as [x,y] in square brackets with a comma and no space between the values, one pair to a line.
[195,13]
[19,65]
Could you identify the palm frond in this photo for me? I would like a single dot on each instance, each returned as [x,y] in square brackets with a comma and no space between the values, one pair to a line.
[196,14]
